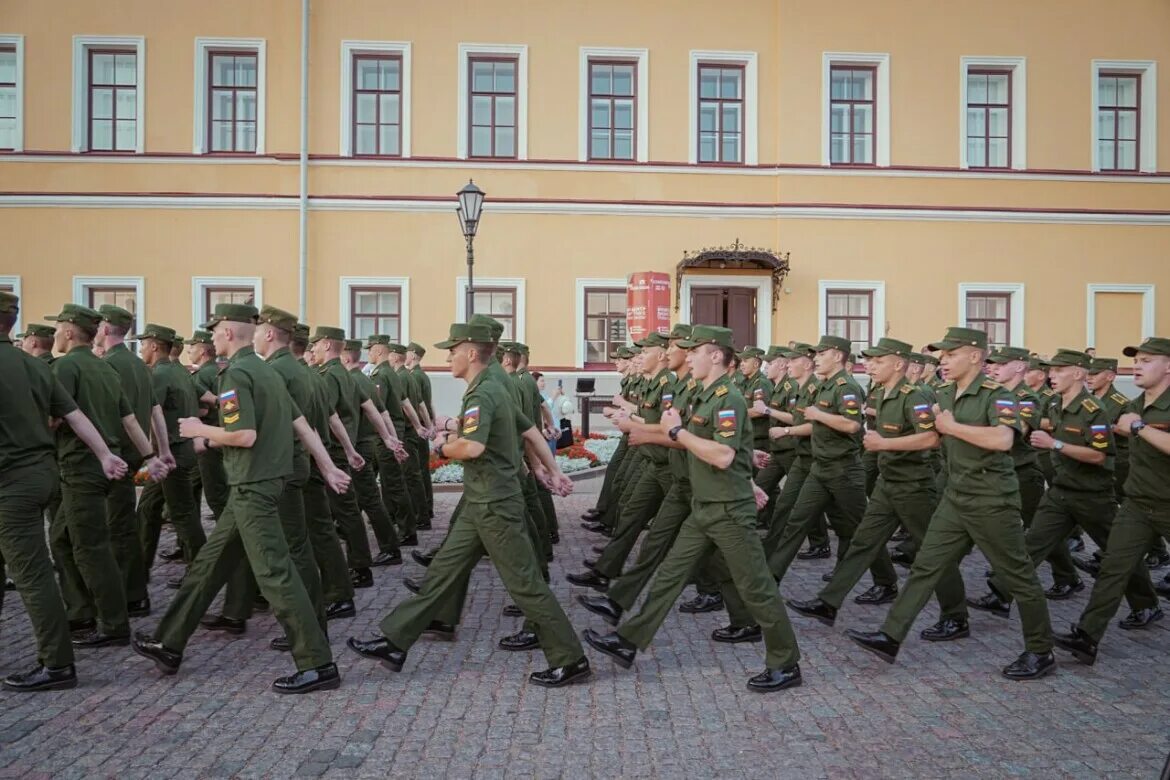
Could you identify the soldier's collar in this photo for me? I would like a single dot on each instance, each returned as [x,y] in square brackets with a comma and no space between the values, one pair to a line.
[242,352]
[479,379]
[279,352]
[840,372]
[1161,402]
[722,381]
[116,346]
[976,385]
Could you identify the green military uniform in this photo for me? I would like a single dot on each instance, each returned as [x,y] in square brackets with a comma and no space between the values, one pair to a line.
[780,451]
[212,479]
[869,460]
[757,387]
[418,465]
[604,497]
[630,470]
[1115,402]
[1045,397]
[529,401]
[28,481]
[539,408]
[980,504]
[365,482]
[492,522]
[252,397]
[395,493]
[723,518]
[176,396]
[423,383]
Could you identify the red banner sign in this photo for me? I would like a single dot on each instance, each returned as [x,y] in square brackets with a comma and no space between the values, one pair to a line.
[647,304]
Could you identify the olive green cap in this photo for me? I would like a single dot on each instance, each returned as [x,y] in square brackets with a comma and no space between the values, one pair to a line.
[278,318]
[396,348]
[776,351]
[887,346]
[496,327]
[961,337]
[231,312]
[377,339]
[751,352]
[653,339]
[917,358]
[681,330]
[327,332]
[479,332]
[708,334]
[416,348]
[802,349]
[1036,364]
[116,316]
[199,337]
[929,360]
[1154,345]
[515,347]
[160,332]
[834,342]
[1069,357]
[1008,354]
[39,331]
[621,353]
[82,316]
[9,303]
[352,345]
[1103,364]
[635,350]
[300,333]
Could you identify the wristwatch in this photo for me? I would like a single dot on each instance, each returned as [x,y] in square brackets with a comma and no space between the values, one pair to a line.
[673,432]
[1136,426]
[1057,445]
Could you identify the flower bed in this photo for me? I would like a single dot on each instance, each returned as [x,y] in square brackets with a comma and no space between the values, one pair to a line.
[583,454]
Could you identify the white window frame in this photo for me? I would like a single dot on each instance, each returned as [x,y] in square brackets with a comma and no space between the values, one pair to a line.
[81,46]
[1148,131]
[517,282]
[642,132]
[81,285]
[1017,68]
[581,285]
[203,48]
[520,52]
[1015,316]
[761,284]
[199,285]
[17,42]
[751,101]
[347,283]
[1147,291]
[350,49]
[881,152]
[14,282]
[878,315]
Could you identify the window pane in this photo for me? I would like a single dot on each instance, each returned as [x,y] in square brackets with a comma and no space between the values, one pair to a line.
[362,327]
[505,77]
[837,305]
[731,147]
[481,76]
[1105,151]
[998,306]
[103,103]
[102,135]
[481,110]
[599,144]
[1127,155]
[838,328]
[998,122]
[506,111]
[707,143]
[976,121]
[126,69]
[7,101]
[731,117]
[482,301]
[997,88]
[623,144]
[389,139]
[221,104]
[127,104]
[102,69]
[595,328]
[997,153]
[367,74]
[366,139]
[839,148]
[839,84]
[863,85]
[505,142]
[730,84]
[391,74]
[502,303]
[7,133]
[976,307]
[708,116]
[1107,91]
[862,118]
[596,303]
[839,118]
[246,106]
[863,149]
[595,352]
[246,71]
[1105,126]
[1127,89]
[388,302]
[388,108]
[391,328]
[976,88]
[223,71]
[859,305]
[708,83]
[245,136]
[126,135]
[481,141]
[221,136]
[623,114]
[1127,125]
[365,302]
[623,80]
[7,67]
[602,79]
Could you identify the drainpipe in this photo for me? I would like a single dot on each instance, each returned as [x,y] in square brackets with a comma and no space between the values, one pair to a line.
[303,277]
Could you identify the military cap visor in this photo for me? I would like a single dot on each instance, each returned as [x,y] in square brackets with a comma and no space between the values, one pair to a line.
[79,315]
[478,332]
[231,312]
[751,352]
[828,342]
[416,348]
[278,318]
[889,347]
[378,340]
[327,332]
[681,330]
[1151,346]
[1068,357]
[158,332]
[653,339]
[961,337]
[199,337]
[1103,364]
[707,334]
[39,331]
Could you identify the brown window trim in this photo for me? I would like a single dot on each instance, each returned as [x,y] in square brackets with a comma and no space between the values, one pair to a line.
[872,102]
[472,94]
[634,97]
[501,317]
[9,50]
[208,292]
[211,88]
[91,86]
[719,133]
[607,365]
[378,106]
[987,107]
[1116,110]
[378,316]
[1007,320]
[869,294]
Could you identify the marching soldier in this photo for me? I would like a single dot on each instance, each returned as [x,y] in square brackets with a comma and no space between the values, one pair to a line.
[413,362]
[593,517]
[757,387]
[780,451]
[212,479]
[37,340]
[417,467]
[395,493]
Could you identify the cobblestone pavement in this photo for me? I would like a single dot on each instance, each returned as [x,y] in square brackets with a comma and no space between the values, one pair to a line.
[464,709]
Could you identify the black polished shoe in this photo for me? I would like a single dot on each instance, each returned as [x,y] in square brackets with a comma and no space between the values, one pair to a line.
[138,608]
[878,594]
[424,525]
[322,678]
[815,608]
[260,604]
[1063,590]
[609,609]
[1090,566]
[877,643]
[590,515]
[559,676]
[9,584]
[166,660]
[521,640]
[389,558]
[775,680]
[1162,587]
[1077,642]
[379,649]
[82,626]
[512,610]
[990,602]
[422,559]
[414,586]
[812,553]
[598,548]
[280,644]
[613,645]
[1157,559]
[589,579]
[903,559]
[340,609]
[1075,543]
[554,537]
[436,629]
[225,624]
[409,541]
[1140,618]
[1030,666]
[42,679]
[594,527]
[900,535]
[96,638]
[590,564]
[361,578]
[172,555]
[827,576]
[704,602]
[733,635]
[946,630]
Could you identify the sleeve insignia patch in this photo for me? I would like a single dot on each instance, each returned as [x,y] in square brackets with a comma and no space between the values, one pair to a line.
[726,420]
[231,419]
[667,400]
[891,427]
[691,384]
[697,420]
[471,420]
[907,389]
[1119,398]
[1070,429]
[758,394]
[229,401]
[989,385]
[1100,436]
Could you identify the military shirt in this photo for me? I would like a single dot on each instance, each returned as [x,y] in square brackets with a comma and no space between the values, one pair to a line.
[366,430]
[94,385]
[488,417]
[903,411]
[531,400]
[299,385]
[651,408]
[783,399]
[176,396]
[136,384]
[758,387]
[252,397]
[831,449]
[1085,423]
[47,357]
[971,470]
[389,386]
[206,380]
[800,400]
[410,391]
[496,373]
[1031,409]
[1149,467]
[720,414]
[1115,404]
[739,381]
[31,396]
[424,386]
[681,396]
[341,394]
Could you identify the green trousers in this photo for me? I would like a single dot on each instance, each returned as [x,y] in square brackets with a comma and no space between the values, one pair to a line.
[537,525]
[249,529]
[417,472]
[348,517]
[1060,511]
[730,528]
[369,499]
[336,584]
[395,495]
[213,480]
[177,496]
[644,502]
[768,479]
[627,476]
[612,468]
[840,493]
[869,464]
[550,510]
[25,493]
[496,529]
[122,519]
[995,527]
[423,448]
[909,504]
[1136,526]
[79,537]
[794,480]
[672,512]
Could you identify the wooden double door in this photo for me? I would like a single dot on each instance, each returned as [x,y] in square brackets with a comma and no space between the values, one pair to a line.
[728,307]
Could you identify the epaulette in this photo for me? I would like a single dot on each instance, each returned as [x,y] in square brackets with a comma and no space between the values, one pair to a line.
[842,381]
[991,385]
[907,389]
[1022,390]
[1047,392]
[691,384]
[787,386]
[1089,405]
[947,383]
[1119,398]
[662,382]
[721,390]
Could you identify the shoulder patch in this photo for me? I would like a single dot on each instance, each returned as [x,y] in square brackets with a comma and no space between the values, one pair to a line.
[1119,398]
[721,390]
[691,384]
[947,383]
[907,389]
[842,381]
[990,385]
[1089,405]
[662,382]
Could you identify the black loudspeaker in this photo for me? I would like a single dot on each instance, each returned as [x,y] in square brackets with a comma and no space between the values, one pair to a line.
[585,385]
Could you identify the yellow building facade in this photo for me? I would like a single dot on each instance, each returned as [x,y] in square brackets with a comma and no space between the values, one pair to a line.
[854,167]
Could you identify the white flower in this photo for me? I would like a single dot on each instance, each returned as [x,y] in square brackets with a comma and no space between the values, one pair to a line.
[452,473]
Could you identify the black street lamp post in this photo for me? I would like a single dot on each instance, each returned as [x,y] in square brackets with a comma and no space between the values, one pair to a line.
[470,207]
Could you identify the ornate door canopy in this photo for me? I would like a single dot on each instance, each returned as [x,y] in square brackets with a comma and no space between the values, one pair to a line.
[734,257]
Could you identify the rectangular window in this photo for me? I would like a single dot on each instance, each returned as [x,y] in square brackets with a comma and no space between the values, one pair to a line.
[1118,120]
[492,101]
[991,312]
[113,100]
[721,113]
[232,97]
[9,111]
[375,310]
[849,315]
[125,297]
[499,303]
[605,324]
[852,114]
[216,295]
[377,105]
[613,110]
[989,118]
